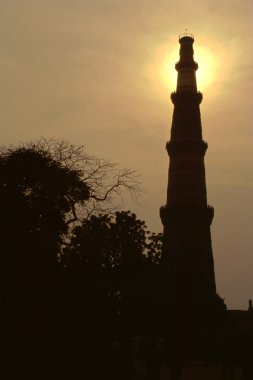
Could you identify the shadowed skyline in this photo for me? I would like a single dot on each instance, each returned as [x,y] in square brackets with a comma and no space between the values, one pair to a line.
[91,73]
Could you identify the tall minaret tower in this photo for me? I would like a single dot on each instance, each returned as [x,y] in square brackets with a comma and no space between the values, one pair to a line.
[186,216]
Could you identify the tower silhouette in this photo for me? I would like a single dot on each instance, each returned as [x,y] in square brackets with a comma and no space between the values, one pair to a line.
[186,216]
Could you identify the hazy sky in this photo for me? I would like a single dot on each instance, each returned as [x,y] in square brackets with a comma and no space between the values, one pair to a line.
[97,73]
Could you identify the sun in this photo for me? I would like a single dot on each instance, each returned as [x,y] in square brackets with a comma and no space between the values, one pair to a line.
[209,56]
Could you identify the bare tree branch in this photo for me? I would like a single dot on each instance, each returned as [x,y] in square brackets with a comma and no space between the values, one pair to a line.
[106,181]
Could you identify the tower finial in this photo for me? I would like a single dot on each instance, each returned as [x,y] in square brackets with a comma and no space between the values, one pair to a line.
[186,34]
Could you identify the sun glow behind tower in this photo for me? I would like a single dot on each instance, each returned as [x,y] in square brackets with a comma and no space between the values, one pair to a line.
[211,55]
[208,66]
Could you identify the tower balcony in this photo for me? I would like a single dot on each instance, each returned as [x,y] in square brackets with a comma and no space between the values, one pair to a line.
[186,97]
[187,64]
[186,148]
[187,214]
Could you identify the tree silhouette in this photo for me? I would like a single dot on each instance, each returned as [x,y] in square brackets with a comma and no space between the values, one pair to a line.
[118,248]
[45,187]
[118,259]
[35,197]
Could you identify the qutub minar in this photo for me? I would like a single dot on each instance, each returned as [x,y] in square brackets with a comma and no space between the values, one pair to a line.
[204,339]
[186,216]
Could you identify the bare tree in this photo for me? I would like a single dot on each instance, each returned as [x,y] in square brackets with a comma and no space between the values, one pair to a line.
[107,182]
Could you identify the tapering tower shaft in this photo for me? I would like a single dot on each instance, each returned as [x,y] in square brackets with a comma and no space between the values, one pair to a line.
[186,216]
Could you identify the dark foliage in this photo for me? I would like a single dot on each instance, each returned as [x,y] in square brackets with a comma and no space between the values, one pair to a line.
[118,252]
[117,259]
[35,197]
